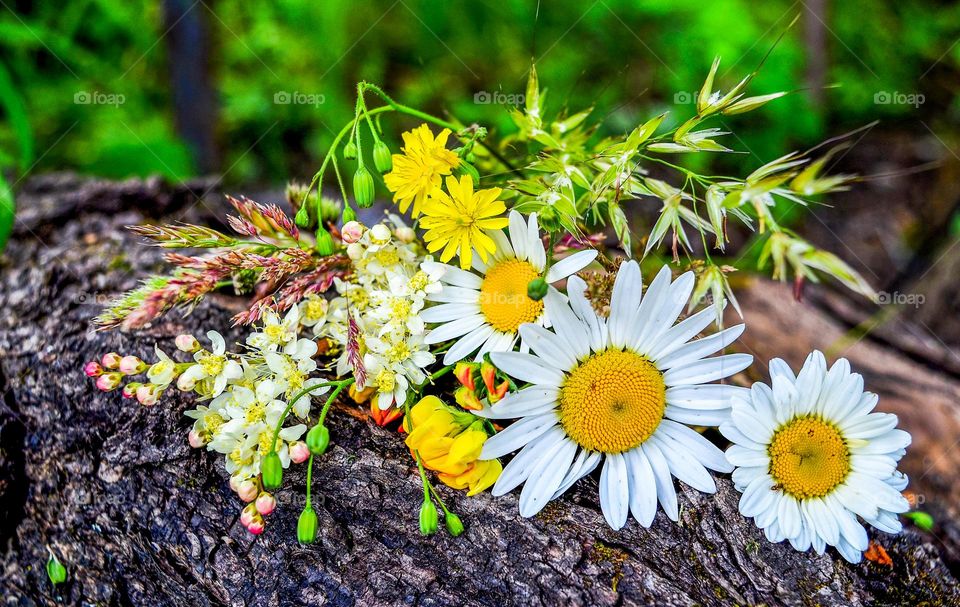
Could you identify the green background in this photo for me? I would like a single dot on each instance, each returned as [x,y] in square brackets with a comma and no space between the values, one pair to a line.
[629,58]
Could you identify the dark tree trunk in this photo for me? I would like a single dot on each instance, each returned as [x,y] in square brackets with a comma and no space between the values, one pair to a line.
[141,519]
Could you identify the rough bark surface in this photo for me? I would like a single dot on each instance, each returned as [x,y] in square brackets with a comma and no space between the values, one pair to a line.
[139,518]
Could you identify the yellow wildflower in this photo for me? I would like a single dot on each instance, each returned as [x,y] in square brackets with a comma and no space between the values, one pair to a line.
[418,171]
[462,221]
[449,442]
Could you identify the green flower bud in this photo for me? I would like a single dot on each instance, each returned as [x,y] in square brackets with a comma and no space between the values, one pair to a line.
[922,520]
[271,470]
[537,289]
[428,518]
[468,169]
[350,150]
[324,242]
[307,526]
[348,215]
[318,439]
[381,157]
[55,570]
[302,218]
[471,158]
[454,524]
[363,187]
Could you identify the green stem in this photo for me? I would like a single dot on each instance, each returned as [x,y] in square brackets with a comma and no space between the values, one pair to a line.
[309,479]
[286,411]
[423,477]
[333,396]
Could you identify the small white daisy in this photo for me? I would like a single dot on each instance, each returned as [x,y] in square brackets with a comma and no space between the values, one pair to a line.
[212,365]
[811,457]
[484,310]
[618,390]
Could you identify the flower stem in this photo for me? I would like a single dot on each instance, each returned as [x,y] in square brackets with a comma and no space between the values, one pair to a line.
[309,479]
[333,396]
[296,397]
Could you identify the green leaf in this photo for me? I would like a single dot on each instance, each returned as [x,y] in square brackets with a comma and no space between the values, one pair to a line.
[16,114]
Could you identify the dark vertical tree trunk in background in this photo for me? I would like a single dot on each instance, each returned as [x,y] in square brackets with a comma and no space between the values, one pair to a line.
[815,40]
[195,106]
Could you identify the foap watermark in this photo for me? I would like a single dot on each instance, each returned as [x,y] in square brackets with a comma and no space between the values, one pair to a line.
[499,98]
[298,98]
[898,98]
[98,98]
[899,299]
[684,98]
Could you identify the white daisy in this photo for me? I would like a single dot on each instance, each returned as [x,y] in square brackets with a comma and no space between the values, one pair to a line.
[811,457]
[484,309]
[619,391]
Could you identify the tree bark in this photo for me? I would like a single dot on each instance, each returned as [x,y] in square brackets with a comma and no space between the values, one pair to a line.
[139,518]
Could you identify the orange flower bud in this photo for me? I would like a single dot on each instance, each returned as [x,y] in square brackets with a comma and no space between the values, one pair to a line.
[382,417]
[500,392]
[489,374]
[464,372]
[467,399]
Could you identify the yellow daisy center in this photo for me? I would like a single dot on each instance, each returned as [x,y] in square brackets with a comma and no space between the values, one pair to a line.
[612,402]
[808,457]
[275,333]
[503,295]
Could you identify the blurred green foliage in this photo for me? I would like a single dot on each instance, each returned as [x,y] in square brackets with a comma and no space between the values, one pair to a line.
[628,58]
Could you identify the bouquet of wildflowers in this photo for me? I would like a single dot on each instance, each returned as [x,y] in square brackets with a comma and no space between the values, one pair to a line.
[519,324]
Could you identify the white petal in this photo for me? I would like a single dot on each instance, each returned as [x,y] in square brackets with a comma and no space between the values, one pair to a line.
[457,277]
[585,312]
[624,302]
[710,396]
[701,348]
[467,344]
[890,442]
[451,294]
[536,254]
[707,370]
[529,401]
[524,462]
[682,332]
[653,322]
[742,456]
[585,464]
[546,477]
[684,467]
[454,329]
[217,345]
[518,235]
[643,487]
[699,447]
[517,435]
[567,325]
[528,368]
[548,346]
[570,265]
[614,491]
[666,493]
[502,242]
[779,367]
[696,418]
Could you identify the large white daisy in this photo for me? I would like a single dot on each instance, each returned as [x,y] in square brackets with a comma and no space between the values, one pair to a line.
[617,390]
[811,457]
[484,309]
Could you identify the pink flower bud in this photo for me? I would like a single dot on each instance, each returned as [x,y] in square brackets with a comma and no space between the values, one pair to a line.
[351,232]
[148,394]
[299,452]
[234,481]
[93,369]
[131,365]
[266,503]
[247,490]
[130,390]
[196,441]
[111,360]
[187,343]
[256,527]
[109,381]
[405,235]
[185,383]
[249,515]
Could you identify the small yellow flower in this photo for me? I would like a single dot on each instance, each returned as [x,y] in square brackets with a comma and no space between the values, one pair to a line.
[418,171]
[449,442]
[460,222]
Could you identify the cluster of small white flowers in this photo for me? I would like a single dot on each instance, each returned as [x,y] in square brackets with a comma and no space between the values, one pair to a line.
[384,298]
[249,393]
